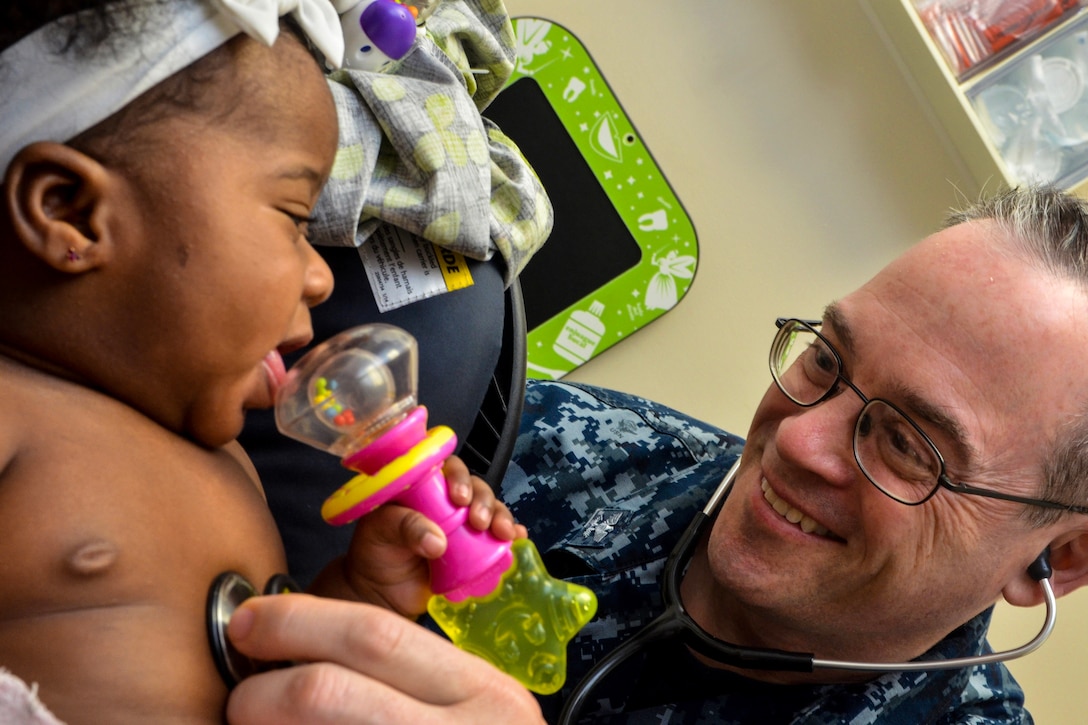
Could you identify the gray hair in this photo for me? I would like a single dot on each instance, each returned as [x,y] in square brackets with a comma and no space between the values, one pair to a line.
[1049,227]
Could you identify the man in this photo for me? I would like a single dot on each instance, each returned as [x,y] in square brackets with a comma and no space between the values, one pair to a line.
[919,448]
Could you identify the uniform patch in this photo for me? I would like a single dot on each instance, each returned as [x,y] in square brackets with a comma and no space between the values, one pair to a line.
[602,525]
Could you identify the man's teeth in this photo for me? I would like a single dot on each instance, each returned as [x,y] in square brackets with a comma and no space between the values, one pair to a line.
[791,514]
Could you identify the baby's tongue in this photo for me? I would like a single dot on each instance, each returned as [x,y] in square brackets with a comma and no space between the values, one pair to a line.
[276,372]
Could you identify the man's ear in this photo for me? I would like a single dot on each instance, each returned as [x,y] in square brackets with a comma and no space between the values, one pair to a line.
[55,197]
[1069,563]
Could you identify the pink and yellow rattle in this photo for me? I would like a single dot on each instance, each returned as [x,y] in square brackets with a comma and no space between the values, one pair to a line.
[354,396]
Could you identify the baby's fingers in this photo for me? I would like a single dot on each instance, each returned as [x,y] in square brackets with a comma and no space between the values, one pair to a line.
[394,528]
[485,510]
[458,480]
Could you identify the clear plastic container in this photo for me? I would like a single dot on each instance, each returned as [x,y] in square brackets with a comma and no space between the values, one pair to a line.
[1034,109]
[973,33]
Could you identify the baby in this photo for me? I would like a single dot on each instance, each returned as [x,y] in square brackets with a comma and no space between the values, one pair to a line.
[159,164]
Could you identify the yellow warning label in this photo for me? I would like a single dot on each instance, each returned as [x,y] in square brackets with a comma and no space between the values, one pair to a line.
[402,268]
[454,269]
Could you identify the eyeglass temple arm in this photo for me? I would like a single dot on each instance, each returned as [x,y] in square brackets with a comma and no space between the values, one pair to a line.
[987,493]
[781,322]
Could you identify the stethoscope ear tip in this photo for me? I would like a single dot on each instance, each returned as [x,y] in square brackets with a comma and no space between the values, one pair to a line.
[1040,568]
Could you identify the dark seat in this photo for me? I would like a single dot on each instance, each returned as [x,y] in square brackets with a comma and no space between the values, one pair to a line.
[488,445]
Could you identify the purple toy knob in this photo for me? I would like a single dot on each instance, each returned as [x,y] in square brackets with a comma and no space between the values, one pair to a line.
[376,32]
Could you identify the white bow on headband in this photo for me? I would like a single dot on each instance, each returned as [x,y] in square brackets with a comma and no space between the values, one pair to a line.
[260,19]
[46,96]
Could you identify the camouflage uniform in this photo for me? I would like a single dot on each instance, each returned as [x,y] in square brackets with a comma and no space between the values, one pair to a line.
[606,483]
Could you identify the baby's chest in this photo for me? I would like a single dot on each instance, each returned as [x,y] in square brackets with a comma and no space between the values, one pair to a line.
[107,522]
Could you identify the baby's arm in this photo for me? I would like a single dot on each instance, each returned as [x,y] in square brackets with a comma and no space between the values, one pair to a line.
[387,561]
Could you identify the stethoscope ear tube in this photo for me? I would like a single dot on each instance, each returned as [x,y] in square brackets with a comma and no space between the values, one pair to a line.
[676,621]
[753,658]
[1039,570]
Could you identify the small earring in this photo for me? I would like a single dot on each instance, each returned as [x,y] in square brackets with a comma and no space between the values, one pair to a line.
[73,255]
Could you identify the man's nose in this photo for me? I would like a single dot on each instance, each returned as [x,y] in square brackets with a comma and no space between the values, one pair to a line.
[819,439]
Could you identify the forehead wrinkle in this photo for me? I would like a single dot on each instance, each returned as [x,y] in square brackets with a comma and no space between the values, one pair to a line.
[913,401]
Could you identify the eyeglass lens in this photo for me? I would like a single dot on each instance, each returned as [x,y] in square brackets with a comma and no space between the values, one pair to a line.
[890,448]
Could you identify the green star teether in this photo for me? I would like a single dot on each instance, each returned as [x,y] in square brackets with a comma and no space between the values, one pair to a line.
[524,625]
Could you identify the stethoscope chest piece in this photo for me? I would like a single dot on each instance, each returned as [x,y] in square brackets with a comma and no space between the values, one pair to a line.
[226,594]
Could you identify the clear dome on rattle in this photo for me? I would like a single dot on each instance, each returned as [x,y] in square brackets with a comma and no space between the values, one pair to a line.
[349,389]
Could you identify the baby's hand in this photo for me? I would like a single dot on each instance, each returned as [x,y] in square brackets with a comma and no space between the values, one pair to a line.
[484,509]
[386,563]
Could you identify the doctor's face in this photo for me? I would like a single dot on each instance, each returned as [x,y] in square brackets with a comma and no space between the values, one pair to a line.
[981,349]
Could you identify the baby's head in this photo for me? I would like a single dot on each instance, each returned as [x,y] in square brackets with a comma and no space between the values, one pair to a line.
[154,247]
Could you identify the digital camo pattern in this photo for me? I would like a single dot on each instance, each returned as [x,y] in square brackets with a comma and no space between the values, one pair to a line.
[606,483]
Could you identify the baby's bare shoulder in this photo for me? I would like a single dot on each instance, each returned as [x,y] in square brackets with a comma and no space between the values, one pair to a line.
[113,529]
[102,490]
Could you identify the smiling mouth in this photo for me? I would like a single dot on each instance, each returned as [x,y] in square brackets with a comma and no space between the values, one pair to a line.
[794,516]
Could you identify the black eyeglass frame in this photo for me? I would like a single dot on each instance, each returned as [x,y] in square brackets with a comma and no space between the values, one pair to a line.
[943,481]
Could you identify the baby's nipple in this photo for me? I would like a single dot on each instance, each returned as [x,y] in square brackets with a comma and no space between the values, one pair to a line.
[91,558]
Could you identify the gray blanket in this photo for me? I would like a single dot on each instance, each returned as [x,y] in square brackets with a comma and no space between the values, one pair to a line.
[415,151]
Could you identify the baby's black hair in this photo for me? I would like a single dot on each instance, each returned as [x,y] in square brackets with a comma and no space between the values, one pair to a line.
[84,24]
[86,29]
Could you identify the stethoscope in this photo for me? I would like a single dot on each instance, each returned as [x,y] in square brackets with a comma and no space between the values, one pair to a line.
[675,621]
[225,595]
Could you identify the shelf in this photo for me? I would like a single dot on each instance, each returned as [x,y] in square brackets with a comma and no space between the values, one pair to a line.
[1018,117]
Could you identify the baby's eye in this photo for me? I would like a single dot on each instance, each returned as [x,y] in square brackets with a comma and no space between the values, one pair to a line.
[302,222]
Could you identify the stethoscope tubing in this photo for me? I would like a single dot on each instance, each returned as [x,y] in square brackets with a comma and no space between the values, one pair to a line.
[676,621]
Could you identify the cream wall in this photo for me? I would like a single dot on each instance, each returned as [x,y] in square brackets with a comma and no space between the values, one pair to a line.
[806,163]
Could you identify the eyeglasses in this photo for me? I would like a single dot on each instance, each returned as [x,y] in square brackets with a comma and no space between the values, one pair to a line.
[892,451]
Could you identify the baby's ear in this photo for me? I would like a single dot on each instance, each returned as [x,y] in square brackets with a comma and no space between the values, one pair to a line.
[55,197]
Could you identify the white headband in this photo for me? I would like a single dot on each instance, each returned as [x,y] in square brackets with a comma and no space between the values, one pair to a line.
[46,96]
